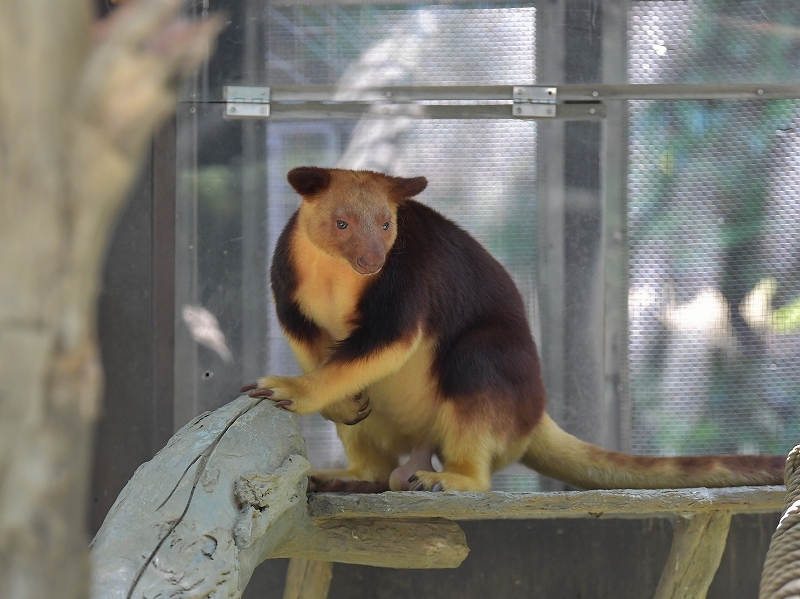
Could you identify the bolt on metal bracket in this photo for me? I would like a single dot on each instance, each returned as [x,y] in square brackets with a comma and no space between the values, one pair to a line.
[243,102]
[536,101]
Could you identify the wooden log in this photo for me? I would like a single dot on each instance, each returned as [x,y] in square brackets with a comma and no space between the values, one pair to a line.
[694,557]
[225,493]
[620,503]
[307,579]
[382,542]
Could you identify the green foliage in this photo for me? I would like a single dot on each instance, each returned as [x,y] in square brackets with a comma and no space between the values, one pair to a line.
[787,318]
[700,190]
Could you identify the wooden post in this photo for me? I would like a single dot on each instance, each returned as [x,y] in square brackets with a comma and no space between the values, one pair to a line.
[693,560]
[308,579]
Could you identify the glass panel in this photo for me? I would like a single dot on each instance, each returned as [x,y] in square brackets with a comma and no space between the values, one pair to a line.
[713,216]
[363,46]
[481,174]
[209,261]
[670,41]
[714,41]
[485,186]
[714,219]
[369,45]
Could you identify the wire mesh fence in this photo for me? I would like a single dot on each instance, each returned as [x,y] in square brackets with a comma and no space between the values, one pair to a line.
[481,174]
[713,213]
[713,194]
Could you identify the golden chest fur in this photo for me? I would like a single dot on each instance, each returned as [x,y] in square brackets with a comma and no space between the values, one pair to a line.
[328,289]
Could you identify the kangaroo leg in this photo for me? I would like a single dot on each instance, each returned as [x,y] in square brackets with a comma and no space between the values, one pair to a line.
[369,465]
[467,465]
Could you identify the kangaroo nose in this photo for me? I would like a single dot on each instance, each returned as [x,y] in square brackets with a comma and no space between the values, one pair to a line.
[370,265]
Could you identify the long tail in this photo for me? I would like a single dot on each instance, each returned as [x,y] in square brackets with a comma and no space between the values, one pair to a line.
[555,453]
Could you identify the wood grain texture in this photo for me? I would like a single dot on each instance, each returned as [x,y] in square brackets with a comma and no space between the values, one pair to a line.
[418,543]
[226,491]
[621,503]
[694,557]
[307,579]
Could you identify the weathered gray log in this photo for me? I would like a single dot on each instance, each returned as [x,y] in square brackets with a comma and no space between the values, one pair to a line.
[694,557]
[195,518]
[227,492]
[620,503]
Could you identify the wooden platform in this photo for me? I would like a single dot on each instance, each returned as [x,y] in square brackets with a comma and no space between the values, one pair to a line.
[623,503]
[242,471]
[702,520]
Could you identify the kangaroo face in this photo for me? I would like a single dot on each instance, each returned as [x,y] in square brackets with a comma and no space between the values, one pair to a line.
[352,215]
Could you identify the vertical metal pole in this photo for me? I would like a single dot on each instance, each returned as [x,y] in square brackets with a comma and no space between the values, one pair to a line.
[550,207]
[583,223]
[572,256]
[163,273]
[616,408]
[255,287]
[186,273]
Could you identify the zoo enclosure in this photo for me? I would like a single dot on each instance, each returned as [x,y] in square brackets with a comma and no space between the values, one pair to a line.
[645,237]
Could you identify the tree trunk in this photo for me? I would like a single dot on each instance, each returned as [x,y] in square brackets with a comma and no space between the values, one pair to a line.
[78,103]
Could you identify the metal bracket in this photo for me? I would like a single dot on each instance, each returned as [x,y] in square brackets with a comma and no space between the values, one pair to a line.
[534,101]
[242,102]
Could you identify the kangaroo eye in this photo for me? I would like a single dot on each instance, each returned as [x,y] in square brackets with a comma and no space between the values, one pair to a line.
[341,224]
[386,226]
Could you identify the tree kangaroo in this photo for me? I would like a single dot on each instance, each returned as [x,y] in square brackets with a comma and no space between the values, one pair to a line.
[396,313]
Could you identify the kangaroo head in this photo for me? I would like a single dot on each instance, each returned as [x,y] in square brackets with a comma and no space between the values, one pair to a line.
[352,215]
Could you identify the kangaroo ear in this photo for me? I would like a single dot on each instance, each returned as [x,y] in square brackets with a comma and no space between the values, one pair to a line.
[408,188]
[309,180]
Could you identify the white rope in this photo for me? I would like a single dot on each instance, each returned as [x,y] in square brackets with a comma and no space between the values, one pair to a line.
[781,576]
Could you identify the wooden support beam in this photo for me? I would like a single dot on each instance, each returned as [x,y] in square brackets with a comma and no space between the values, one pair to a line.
[620,503]
[381,542]
[693,560]
[307,579]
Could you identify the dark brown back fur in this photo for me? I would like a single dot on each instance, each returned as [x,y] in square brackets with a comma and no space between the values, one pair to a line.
[438,279]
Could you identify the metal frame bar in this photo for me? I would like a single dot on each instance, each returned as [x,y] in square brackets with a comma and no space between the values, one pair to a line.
[569,102]
[316,111]
[615,426]
[567,93]
[163,277]
[289,3]
[678,91]
[550,202]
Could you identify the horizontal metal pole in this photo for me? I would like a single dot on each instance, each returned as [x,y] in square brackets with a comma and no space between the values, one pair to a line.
[678,91]
[332,93]
[566,92]
[489,93]
[322,111]
[393,3]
